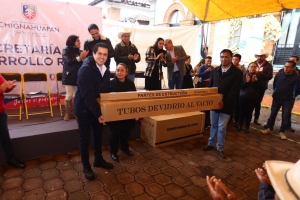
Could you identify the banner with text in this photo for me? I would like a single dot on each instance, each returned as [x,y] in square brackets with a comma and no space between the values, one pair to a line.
[33,34]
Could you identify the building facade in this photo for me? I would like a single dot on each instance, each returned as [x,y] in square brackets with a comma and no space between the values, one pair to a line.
[278,34]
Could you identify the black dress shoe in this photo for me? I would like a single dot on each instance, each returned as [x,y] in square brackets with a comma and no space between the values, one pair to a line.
[239,127]
[206,148]
[236,124]
[16,163]
[256,122]
[115,157]
[222,154]
[265,126]
[103,164]
[247,129]
[128,152]
[290,129]
[88,173]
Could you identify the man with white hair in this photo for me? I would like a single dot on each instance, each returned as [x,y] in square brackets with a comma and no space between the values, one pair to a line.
[175,58]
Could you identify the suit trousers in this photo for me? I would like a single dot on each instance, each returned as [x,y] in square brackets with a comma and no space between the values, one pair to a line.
[85,127]
[258,104]
[117,137]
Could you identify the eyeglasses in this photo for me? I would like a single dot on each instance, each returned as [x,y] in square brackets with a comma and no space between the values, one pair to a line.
[225,57]
[290,67]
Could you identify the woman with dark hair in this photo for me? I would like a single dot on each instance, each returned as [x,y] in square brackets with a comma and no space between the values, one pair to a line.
[155,59]
[72,59]
[196,80]
[120,130]
[187,79]
[249,95]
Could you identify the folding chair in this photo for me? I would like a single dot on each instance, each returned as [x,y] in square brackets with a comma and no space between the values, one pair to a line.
[59,94]
[14,95]
[36,78]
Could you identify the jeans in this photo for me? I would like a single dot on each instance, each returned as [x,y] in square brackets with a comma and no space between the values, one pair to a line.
[218,126]
[176,81]
[258,104]
[5,138]
[117,136]
[131,77]
[290,116]
[85,126]
[287,107]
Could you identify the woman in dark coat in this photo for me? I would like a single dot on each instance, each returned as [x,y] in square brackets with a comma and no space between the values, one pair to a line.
[155,59]
[187,79]
[120,130]
[72,59]
[249,95]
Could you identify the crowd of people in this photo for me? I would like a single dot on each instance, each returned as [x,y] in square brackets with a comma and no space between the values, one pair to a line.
[242,88]
[86,74]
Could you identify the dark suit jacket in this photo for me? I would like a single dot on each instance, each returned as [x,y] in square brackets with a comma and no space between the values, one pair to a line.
[90,84]
[179,51]
[229,84]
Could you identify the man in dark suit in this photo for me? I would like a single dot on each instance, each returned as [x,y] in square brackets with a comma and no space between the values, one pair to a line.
[175,58]
[228,79]
[93,79]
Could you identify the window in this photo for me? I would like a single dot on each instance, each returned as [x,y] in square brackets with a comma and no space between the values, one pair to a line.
[289,42]
[175,19]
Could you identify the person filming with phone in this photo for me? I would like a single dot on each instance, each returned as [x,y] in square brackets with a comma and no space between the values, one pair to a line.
[205,72]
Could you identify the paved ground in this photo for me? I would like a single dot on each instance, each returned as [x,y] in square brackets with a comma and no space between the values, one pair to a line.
[173,172]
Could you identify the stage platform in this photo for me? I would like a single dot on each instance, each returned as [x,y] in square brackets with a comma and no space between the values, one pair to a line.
[43,135]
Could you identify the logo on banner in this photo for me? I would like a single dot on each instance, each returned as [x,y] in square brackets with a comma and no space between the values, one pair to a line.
[52,77]
[29,11]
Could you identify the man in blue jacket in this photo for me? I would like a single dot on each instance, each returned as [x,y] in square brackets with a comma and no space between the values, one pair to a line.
[93,79]
[296,60]
[205,72]
[286,87]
